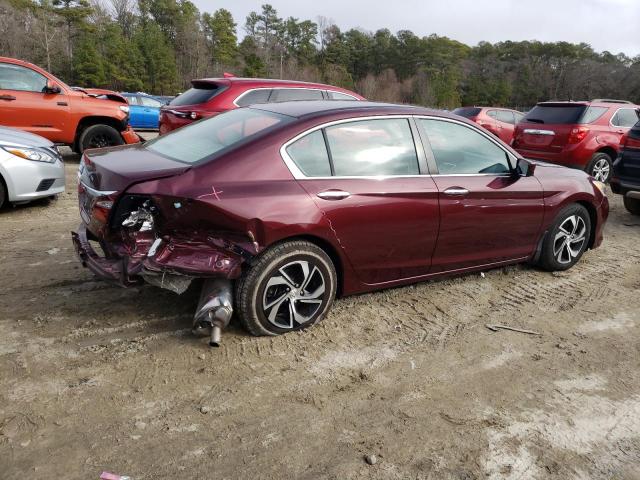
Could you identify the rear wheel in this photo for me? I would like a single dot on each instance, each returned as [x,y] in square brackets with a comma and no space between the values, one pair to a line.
[600,167]
[289,287]
[99,136]
[632,205]
[567,239]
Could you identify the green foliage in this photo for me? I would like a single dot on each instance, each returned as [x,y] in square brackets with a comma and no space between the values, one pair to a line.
[162,44]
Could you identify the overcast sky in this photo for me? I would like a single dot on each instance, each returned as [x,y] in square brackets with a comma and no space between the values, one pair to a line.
[612,25]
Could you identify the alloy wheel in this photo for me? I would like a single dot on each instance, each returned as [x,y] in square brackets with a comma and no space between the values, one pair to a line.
[294,294]
[601,170]
[570,239]
[99,141]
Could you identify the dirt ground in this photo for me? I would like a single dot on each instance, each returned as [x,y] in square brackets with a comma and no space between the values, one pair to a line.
[94,377]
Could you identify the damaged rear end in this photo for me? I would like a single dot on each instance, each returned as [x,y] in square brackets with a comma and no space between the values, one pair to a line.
[129,238]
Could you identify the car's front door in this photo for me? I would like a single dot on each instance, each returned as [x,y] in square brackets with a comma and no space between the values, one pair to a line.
[151,111]
[26,104]
[365,176]
[136,111]
[488,214]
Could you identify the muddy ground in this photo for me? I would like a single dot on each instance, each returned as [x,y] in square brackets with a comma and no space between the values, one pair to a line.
[94,377]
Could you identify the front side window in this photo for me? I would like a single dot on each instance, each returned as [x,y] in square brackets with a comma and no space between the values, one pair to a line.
[254,97]
[625,117]
[15,77]
[203,139]
[131,100]
[295,94]
[150,102]
[309,153]
[459,149]
[372,148]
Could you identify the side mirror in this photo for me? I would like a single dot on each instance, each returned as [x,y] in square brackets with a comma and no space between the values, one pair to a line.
[52,87]
[525,168]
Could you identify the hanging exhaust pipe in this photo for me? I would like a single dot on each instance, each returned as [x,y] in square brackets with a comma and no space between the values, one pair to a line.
[215,309]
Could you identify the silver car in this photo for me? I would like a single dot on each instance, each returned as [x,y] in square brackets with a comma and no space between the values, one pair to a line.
[30,167]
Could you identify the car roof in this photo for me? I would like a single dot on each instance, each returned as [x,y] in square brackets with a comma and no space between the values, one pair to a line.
[586,103]
[265,82]
[305,108]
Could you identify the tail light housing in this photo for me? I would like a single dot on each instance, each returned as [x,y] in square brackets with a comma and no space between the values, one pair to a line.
[578,134]
[623,139]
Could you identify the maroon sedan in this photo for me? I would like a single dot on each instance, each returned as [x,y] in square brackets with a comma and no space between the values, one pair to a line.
[281,207]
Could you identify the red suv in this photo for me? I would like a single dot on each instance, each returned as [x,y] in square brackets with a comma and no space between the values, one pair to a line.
[211,96]
[499,121]
[584,135]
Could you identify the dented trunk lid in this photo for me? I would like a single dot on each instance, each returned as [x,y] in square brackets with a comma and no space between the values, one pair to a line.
[105,174]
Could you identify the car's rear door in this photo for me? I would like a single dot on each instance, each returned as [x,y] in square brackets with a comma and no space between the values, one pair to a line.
[366,176]
[136,114]
[487,213]
[26,105]
[506,123]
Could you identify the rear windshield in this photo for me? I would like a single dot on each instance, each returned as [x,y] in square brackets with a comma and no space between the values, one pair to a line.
[467,112]
[200,94]
[555,114]
[205,138]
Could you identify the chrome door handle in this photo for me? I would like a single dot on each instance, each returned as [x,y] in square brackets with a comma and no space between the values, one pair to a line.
[457,191]
[334,195]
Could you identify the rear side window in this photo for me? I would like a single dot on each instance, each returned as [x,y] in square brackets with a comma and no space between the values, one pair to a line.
[15,77]
[294,94]
[555,114]
[592,114]
[253,97]
[200,94]
[505,117]
[339,96]
[462,150]
[372,148]
[519,116]
[467,112]
[309,153]
[625,117]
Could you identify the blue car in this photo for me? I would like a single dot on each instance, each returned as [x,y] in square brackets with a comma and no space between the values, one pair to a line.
[144,110]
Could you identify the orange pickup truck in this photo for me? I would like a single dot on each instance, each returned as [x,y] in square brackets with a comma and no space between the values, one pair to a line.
[33,100]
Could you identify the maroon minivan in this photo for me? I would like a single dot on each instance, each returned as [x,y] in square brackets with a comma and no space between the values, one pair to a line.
[281,207]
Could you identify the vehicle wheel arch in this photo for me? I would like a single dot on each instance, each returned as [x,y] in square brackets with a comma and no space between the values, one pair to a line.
[328,248]
[86,122]
[609,150]
[593,217]
[4,189]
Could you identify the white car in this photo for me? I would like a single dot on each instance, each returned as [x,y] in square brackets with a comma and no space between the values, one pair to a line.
[30,167]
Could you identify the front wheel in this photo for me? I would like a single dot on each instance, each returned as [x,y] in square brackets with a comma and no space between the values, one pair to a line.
[632,205]
[289,287]
[99,136]
[567,239]
[600,167]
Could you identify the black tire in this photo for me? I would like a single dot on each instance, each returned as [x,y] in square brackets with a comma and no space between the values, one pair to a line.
[632,205]
[3,193]
[555,254]
[600,167]
[99,136]
[264,284]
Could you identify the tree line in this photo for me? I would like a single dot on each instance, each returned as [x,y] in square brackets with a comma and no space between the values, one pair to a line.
[158,46]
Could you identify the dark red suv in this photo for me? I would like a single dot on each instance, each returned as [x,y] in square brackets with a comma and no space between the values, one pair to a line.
[211,96]
[499,121]
[584,135]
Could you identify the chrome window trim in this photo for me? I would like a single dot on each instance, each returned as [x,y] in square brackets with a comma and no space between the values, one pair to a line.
[96,193]
[275,88]
[536,131]
[616,113]
[297,173]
